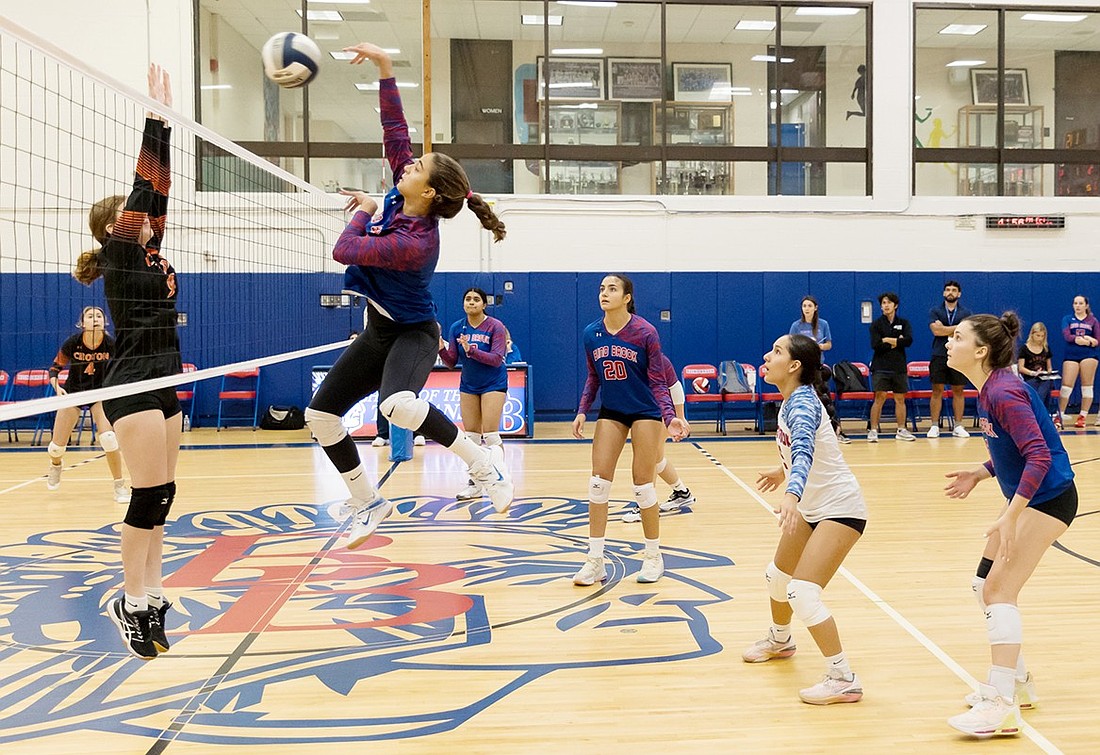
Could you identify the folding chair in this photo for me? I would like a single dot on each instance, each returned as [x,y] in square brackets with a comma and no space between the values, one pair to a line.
[701,387]
[241,386]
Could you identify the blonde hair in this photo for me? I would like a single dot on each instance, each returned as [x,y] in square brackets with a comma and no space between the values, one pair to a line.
[1039,327]
[89,265]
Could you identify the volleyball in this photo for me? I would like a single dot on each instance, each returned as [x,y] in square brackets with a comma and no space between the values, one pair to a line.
[291,60]
[700,385]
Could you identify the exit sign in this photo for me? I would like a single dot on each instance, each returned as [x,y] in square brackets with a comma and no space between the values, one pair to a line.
[1025,221]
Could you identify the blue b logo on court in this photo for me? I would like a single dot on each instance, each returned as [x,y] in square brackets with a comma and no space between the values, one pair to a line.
[279,635]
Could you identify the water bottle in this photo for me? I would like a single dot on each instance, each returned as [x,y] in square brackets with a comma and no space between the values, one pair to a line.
[186,424]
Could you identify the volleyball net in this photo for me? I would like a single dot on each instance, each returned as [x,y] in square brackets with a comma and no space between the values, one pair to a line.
[249,241]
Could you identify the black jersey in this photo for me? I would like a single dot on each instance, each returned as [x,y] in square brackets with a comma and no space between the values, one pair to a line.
[87,366]
[140,284]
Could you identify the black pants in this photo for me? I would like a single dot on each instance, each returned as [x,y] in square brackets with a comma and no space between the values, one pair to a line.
[387,357]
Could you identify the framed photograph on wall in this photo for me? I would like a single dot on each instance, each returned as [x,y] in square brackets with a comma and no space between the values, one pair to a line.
[983,86]
[573,79]
[634,79]
[701,82]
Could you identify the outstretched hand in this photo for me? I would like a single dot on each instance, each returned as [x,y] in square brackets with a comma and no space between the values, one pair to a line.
[359,200]
[160,87]
[375,54]
[962,482]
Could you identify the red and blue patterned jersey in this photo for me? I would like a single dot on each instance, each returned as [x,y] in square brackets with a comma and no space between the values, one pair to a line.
[394,255]
[1025,452]
[671,378]
[627,369]
[483,368]
[1072,327]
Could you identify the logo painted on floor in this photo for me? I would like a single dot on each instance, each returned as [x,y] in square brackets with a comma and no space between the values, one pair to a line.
[279,635]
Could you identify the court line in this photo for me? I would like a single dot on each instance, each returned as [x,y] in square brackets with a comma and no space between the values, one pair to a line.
[1033,734]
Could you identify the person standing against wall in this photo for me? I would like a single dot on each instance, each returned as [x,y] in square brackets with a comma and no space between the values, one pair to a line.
[890,335]
[942,320]
[1081,332]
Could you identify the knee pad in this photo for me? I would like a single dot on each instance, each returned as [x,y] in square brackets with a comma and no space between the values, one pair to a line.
[148,507]
[1086,391]
[405,409]
[57,451]
[805,600]
[777,583]
[492,439]
[170,488]
[1066,391]
[645,495]
[661,465]
[326,428]
[1003,624]
[977,584]
[108,441]
[599,490]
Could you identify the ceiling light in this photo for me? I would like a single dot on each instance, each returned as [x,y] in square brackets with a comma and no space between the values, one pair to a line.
[967,30]
[965,63]
[1057,18]
[577,51]
[745,25]
[216,86]
[321,15]
[823,11]
[373,87]
[537,20]
[588,3]
[770,59]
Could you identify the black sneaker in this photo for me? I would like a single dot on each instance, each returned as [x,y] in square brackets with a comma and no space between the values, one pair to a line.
[133,628]
[677,499]
[156,627]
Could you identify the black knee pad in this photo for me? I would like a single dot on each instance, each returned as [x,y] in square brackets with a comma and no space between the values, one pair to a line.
[148,507]
[171,488]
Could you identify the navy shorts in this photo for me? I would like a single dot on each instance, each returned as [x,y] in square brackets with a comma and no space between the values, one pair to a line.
[626,420]
[163,400]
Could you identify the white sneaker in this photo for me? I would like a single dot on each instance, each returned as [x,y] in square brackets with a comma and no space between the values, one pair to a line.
[365,520]
[872,436]
[379,441]
[960,432]
[677,499]
[53,477]
[593,571]
[832,690]
[419,440]
[904,434]
[768,649]
[122,492]
[470,492]
[653,566]
[632,514]
[493,477]
[1026,696]
[992,716]
[934,431]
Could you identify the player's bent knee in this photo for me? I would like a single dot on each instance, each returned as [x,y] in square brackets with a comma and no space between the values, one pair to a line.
[56,451]
[405,410]
[148,507]
[661,465]
[326,428]
[1086,391]
[599,490]
[1066,391]
[645,495]
[1003,624]
[977,584]
[108,441]
[777,583]
[805,600]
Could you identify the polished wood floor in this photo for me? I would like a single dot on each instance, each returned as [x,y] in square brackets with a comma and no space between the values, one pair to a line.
[456,629]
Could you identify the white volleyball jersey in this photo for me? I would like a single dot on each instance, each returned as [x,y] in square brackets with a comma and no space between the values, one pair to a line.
[815,468]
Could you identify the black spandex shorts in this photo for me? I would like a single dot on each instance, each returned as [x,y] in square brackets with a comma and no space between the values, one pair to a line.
[626,420]
[1062,507]
[163,400]
[857,524]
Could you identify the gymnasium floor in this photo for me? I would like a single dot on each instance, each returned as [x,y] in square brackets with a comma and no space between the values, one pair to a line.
[457,629]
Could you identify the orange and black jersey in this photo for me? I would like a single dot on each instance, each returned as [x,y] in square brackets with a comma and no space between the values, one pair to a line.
[141,286]
[87,366]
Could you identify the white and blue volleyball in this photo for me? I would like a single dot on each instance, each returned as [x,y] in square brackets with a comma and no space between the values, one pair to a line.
[291,60]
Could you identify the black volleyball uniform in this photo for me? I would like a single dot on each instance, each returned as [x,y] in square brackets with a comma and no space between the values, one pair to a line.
[87,367]
[141,286]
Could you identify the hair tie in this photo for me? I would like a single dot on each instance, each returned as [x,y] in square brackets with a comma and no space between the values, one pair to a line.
[469,193]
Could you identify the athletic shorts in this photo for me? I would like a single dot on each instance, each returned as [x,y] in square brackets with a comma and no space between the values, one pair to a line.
[889,382]
[1062,507]
[857,524]
[626,420]
[482,391]
[941,374]
[163,400]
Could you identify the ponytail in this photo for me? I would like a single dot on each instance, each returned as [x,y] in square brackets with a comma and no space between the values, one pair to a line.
[89,266]
[452,190]
[489,220]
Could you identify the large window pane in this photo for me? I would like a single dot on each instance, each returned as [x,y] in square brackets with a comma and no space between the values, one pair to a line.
[956,179]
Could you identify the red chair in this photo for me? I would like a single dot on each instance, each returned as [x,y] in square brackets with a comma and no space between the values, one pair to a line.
[705,377]
[917,371]
[240,386]
[187,393]
[863,398]
[31,384]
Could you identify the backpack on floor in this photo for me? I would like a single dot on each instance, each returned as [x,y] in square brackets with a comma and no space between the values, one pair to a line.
[283,418]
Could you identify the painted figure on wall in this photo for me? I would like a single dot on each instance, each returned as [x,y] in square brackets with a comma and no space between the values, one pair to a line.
[859,94]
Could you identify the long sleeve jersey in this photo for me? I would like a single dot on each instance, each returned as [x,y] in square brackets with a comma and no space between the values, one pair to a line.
[483,368]
[627,370]
[1072,327]
[393,255]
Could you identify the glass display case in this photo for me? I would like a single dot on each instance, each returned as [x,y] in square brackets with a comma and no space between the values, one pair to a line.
[587,123]
[1023,130]
[704,124]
